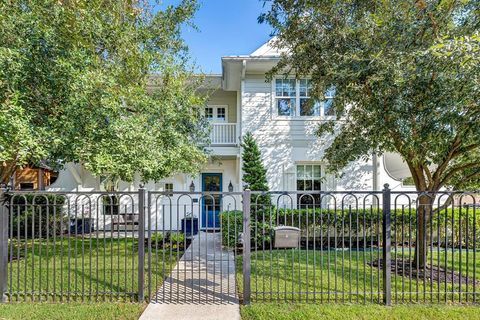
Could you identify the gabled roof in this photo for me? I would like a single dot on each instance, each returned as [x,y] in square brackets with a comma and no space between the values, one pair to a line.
[259,62]
[267,50]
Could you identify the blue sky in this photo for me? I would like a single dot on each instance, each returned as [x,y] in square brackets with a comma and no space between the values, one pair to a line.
[226,27]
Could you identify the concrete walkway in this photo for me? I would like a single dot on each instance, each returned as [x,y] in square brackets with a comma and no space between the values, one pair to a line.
[201,286]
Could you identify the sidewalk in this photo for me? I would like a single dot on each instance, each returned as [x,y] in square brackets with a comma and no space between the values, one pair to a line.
[201,286]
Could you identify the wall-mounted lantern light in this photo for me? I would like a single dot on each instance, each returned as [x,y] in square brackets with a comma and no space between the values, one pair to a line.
[192,187]
[230,187]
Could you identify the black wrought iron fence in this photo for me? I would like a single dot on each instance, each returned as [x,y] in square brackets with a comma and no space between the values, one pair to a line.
[379,247]
[71,246]
[205,270]
[343,246]
[446,268]
[128,246]
[315,247]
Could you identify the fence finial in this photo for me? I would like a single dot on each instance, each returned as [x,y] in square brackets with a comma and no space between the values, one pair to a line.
[386,186]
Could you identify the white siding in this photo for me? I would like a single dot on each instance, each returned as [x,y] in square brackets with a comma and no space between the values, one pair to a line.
[227,98]
[285,142]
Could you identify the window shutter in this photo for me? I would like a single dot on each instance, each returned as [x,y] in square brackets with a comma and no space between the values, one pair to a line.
[289,179]
[330,182]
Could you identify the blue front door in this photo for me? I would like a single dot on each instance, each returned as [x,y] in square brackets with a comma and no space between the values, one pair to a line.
[211,182]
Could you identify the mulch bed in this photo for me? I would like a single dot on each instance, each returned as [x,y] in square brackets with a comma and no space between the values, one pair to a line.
[406,268]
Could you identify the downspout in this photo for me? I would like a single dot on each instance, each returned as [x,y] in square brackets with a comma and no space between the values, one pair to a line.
[375,177]
[240,120]
[375,172]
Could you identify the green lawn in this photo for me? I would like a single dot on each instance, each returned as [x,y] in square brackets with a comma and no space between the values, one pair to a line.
[345,276]
[284,311]
[78,269]
[71,311]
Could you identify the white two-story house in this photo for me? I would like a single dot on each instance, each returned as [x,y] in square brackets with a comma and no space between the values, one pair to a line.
[276,114]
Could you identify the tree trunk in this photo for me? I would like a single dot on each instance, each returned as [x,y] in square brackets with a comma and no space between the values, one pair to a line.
[424,214]
[6,172]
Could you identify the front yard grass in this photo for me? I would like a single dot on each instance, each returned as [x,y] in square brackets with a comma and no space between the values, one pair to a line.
[347,277]
[74,278]
[287,311]
[76,269]
[71,311]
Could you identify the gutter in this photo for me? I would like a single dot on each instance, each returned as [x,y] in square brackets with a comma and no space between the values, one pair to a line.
[243,58]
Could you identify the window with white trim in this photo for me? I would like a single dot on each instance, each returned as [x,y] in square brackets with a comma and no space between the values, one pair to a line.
[216,113]
[293,99]
[309,178]
[285,96]
[168,187]
[327,104]
[209,113]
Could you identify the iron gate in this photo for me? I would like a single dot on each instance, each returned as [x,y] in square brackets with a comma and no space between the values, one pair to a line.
[205,271]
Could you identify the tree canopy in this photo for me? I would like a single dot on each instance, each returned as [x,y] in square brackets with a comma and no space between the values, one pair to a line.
[74,86]
[406,74]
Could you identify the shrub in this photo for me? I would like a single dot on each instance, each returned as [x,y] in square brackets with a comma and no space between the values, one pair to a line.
[255,174]
[452,225]
[232,224]
[37,215]
[176,238]
[157,239]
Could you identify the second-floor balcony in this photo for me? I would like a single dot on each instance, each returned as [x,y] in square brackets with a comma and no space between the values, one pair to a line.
[224,134]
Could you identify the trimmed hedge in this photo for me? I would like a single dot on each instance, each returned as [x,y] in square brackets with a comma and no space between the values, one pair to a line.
[446,224]
[232,226]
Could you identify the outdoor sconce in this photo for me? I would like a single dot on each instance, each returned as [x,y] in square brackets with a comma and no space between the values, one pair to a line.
[287,237]
[192,187]
[230,186]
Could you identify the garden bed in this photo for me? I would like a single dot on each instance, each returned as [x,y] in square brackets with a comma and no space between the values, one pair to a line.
[431,273]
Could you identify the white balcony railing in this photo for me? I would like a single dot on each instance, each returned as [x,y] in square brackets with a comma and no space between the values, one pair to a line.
[223,134]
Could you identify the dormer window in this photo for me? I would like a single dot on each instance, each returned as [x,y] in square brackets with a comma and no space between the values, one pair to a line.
[292,99]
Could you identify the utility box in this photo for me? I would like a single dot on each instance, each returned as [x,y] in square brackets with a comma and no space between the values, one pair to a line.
[287,237]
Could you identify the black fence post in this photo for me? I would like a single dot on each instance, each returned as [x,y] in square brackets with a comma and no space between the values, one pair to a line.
[3,246]
[246,247]
[386,234]
[149,246]
[141,243]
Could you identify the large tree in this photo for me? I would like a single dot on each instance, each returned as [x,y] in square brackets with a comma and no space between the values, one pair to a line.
[74,86]
[407,79]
